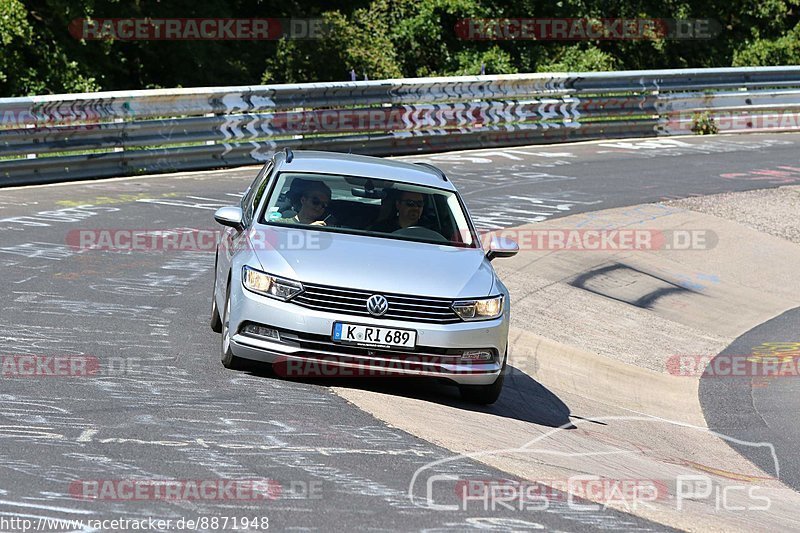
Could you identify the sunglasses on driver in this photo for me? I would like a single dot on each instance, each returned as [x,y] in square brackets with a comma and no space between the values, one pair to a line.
[316,202]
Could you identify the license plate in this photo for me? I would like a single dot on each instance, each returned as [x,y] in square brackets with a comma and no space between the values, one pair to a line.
[374,336]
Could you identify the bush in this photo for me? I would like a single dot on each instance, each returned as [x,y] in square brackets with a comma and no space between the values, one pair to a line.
[703,124]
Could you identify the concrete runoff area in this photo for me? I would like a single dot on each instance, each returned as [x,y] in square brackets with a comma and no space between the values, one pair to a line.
[591,389]
[773,211]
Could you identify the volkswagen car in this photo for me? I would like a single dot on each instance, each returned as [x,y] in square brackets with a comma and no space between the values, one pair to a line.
[363,265]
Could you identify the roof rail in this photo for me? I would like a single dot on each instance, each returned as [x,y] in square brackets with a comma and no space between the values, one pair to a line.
[431,167]
[289,154]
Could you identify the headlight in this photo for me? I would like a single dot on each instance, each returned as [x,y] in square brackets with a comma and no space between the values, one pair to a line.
[484,309]
[268,285]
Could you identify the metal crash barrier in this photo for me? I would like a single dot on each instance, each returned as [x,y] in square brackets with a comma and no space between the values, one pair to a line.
[78,136]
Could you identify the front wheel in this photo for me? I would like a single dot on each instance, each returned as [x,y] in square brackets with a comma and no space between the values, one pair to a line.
[216,321]
[228,359]
[484,394]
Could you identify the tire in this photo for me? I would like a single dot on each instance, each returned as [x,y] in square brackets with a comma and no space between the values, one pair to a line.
[229,360]
[484,394]
[216,321]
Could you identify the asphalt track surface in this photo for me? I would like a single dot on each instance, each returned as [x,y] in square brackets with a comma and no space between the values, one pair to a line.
[162,407]
[757,409]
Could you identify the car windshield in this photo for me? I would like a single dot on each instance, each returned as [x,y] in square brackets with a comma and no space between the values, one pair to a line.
[370,207]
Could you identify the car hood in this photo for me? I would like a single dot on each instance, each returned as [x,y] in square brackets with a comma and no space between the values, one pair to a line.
[373,263]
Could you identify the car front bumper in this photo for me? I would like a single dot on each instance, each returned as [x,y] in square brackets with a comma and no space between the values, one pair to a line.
[427,360]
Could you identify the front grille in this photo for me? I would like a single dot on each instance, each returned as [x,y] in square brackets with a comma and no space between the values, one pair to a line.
[354,302]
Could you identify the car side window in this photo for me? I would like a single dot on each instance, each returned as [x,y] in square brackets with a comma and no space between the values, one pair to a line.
[262,186]
[248,194]
[254,193]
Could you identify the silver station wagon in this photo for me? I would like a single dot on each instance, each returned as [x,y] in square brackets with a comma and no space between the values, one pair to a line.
[355,266]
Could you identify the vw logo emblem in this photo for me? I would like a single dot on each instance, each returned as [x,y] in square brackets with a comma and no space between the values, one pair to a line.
[377,305]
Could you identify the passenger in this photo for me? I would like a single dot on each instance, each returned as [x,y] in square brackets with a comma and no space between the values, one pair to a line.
[314,201]
[408,210]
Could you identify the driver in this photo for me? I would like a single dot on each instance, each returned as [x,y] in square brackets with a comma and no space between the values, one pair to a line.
[408,211]
[314,202]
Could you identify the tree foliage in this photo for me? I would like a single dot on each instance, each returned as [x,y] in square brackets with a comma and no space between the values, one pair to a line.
[32,60]
[374,38]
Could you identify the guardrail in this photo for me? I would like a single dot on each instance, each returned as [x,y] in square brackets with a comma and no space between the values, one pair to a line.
[77,136]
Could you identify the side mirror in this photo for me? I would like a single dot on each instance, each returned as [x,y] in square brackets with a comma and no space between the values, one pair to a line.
[229,216]
[501,247]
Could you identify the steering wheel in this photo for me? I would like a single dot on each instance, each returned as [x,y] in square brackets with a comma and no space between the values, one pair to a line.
[420,232]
